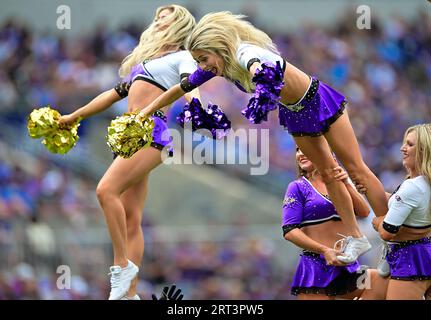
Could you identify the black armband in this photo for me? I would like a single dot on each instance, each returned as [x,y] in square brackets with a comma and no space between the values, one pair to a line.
[122,88]
[289,227]
[251,61]
[390,228]
[185,84]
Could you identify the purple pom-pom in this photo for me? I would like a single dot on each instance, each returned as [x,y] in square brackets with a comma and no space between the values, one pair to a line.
[212,119]
[269,82]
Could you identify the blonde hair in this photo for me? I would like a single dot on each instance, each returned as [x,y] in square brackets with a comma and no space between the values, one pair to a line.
[423,148]
[151,44]
[221,33]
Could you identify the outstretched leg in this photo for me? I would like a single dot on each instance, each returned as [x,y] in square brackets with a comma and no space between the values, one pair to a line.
[343,142]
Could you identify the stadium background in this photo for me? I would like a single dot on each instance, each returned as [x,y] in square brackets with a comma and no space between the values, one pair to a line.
[214,230]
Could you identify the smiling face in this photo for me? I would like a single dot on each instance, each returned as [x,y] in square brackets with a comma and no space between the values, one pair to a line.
[160,21]
[303,162]
[209,61]
[408,151]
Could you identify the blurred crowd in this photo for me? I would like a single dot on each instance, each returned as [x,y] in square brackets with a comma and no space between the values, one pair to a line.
[49,217]
[384,72]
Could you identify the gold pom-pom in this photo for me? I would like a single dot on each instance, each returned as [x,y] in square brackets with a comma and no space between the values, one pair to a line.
[62,140]
[129,133]
[43,122]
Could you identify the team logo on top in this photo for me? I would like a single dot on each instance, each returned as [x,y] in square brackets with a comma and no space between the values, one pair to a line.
[398,198]
[288,200]
[295,107]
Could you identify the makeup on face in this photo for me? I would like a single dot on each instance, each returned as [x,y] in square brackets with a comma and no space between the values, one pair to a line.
[209,61]
[303,161]
[408,151]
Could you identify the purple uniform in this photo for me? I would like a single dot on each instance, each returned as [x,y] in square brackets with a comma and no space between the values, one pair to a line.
[312,115]
[409,206]
[303,206]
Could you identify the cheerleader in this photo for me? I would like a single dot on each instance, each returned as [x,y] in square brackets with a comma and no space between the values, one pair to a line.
[225,45]
[407,224]
[311,222]
[156,64]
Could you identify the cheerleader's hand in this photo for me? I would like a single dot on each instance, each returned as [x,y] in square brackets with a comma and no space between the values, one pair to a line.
[341,175]
[143,115]
[171,293]
[331,257]
[361,188]
[67,120]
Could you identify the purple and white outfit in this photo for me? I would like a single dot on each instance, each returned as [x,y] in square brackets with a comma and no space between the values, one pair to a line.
[303,206]
[312,115]
[164,73]
[409,206]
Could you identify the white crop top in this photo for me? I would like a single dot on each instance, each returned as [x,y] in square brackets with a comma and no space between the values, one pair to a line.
[410,205]
[247,54]
[163,72]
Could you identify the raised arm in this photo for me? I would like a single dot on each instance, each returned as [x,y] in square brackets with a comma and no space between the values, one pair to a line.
[102,102]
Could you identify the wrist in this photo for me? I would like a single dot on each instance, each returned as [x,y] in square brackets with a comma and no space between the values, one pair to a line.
[323,249]
[77,115]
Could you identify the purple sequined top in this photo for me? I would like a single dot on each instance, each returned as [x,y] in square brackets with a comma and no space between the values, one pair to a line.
[303,205]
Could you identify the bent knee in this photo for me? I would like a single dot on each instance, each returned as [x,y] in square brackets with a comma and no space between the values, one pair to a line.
[103,191]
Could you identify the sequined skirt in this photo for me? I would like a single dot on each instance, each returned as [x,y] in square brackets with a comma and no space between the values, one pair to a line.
[314,113]
[314,276]
[161,135]
[410,260]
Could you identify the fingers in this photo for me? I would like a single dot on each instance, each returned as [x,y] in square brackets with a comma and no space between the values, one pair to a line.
[335,262]
[338,168]
[165,294]
[360,188]
[172,291]
[65,121]
[340,174]
[177,295]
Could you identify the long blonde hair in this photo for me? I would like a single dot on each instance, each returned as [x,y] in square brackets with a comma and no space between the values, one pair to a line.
[151,44]
[423,148]
[221,33]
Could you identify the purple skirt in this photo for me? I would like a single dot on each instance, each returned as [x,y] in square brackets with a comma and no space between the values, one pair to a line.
[410,260]
[314,113]
[161,136]
[314,276]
